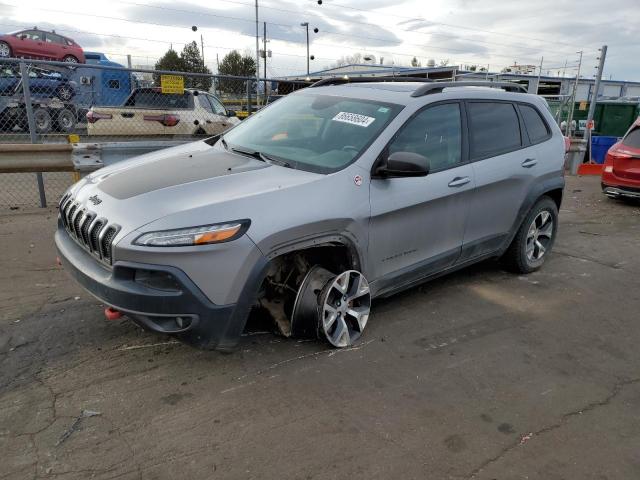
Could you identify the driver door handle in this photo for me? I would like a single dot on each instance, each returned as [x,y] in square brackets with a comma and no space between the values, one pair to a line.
[529,162]
[459,181]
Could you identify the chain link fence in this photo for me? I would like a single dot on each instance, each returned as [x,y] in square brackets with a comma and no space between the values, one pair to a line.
[57,102]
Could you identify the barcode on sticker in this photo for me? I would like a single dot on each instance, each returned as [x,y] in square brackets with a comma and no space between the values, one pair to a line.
[354,119]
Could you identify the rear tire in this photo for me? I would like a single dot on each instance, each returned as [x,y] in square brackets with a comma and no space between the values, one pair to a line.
[70,59]
[535,238]
[5,50]
[65,121]
[43,121]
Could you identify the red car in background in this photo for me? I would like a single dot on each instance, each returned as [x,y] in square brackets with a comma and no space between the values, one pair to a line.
[621,173]
[36,43]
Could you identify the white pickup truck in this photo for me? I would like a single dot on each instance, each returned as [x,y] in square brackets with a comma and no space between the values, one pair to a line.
[148,111]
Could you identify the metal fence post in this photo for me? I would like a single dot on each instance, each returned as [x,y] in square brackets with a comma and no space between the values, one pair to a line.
[26,92]
[248,97]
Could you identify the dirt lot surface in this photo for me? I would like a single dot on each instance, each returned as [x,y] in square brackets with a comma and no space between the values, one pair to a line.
[481,374]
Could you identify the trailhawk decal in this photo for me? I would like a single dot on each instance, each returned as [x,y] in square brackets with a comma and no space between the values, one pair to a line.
[353,119]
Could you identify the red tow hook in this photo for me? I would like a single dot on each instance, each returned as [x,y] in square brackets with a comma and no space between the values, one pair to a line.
[112,313]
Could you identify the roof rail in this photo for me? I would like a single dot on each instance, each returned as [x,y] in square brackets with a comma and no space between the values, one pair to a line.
[438,87]
[342,80]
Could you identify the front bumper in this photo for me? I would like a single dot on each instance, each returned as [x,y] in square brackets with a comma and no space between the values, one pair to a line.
[182,310]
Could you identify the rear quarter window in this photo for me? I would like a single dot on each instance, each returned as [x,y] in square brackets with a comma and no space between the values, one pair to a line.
[494,128]
[534,123]
[632,139]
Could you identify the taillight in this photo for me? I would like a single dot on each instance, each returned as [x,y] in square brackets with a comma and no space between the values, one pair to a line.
[567,144]
[93,117]
[171,120]
[168,120]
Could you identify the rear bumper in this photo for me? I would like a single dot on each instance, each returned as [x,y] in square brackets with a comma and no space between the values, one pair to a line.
[183,310]
[620,191]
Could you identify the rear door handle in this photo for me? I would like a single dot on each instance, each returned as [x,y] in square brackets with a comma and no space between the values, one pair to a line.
[529,162]
[459,181]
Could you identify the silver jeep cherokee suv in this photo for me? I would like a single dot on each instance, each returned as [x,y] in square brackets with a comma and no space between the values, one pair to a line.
[307,210]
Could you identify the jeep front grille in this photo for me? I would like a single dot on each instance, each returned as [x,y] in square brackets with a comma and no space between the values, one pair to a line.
[87,229]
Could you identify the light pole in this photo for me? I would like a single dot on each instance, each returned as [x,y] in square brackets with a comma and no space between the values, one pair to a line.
[306,25]
[257,58]
[195,29]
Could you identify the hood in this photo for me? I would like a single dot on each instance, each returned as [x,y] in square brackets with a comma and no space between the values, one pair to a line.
[182,185]
[160,172]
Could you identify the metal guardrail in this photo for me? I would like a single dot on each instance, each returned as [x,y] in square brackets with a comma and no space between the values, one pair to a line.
[47,161]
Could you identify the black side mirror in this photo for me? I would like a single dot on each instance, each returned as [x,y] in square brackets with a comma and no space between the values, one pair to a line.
[404,164]
[231,113]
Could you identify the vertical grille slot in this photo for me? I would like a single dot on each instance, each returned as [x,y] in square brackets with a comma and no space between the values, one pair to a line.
[77,221]
[94,236]
[105,243]
[69,216]
[84,228]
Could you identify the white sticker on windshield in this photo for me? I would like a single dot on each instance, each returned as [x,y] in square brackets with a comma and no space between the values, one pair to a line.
[354,119]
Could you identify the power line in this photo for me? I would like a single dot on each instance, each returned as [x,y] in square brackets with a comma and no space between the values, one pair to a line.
[450,25]
[386,52]
[431,34]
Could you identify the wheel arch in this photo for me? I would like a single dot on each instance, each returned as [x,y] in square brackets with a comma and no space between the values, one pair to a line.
[288,265]
[549,186]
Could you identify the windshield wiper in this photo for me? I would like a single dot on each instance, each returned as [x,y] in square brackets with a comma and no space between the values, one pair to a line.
[259,156]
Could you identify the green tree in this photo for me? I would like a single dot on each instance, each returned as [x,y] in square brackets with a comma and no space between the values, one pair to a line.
[192,62]
[236,64]
[189,60]
[169,61]
[415,62]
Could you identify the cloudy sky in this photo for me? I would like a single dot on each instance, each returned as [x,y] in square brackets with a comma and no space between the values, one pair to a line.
[464,32]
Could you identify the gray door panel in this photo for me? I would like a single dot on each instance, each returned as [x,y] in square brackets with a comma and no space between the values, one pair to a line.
[414,220]
[504,170]
[502,184]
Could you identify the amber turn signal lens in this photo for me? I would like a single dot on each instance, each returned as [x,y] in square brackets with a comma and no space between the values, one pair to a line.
[216,236]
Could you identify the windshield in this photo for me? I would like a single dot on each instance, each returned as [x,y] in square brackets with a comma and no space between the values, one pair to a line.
[318,133]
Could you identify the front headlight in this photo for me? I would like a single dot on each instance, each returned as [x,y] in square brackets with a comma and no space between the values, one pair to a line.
[185,237]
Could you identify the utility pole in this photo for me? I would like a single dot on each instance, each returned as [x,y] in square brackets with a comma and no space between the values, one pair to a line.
[594,97]
[202,50]
[264,51]
[257,57]
[573,97]
[306,24]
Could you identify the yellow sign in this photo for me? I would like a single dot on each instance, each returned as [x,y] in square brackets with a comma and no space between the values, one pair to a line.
[172,84]
[583,106]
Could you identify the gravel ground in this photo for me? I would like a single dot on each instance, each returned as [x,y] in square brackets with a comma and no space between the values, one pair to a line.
[481,374]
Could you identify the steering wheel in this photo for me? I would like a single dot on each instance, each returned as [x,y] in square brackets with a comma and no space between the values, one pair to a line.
[349,147]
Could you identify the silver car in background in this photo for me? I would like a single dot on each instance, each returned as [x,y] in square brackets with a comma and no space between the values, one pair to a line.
[315,205]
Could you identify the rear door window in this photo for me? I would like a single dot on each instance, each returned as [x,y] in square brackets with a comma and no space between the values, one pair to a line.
[632,139]
[494,129]
[534,123]
[156,99]
[53,38]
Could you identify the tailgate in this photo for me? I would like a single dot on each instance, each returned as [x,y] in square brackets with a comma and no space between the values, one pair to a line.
[626,157]
[125,121]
